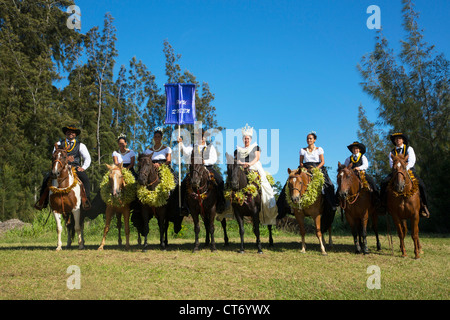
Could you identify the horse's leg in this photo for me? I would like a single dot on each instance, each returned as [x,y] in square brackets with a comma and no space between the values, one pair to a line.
[119,227]
[375,228]
[109,213]
[401,236]
[161,224]
[353,226]
[319,233]
[225,235]
[211,230]
[145,217]
[270,235]
[364,233]
[415,235]
[301,223]
[70,230]
[78,229]
[240,221]
[330,240]
[126,220]
[196,229]
[208,233]
[58,229]
[256,232]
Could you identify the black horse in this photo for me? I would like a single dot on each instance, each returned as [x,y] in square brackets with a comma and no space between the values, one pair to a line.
[148,176]
[237,179]
[202,197]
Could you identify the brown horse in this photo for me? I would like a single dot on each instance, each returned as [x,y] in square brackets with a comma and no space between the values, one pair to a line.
[298,182]
[403,202]
[358,204]
[65,197]
[202,199]
[117,185]
[237,178]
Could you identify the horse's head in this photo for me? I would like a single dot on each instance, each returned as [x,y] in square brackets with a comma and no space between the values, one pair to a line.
[198,172]
[347,180]
[59,161]
[297,184]
[147,171]
[116,179]
[235,174]
[399,172]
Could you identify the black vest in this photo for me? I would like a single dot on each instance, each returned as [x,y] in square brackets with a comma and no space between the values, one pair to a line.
[75,152]
[404,150]
[357,163]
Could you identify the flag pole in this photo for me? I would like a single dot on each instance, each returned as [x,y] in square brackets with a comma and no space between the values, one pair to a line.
[179,169]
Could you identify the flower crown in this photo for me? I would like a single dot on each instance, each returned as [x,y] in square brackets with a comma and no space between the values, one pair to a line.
[247,131]
[158,129]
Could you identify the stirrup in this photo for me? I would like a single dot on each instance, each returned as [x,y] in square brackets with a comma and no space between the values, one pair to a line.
[424,212]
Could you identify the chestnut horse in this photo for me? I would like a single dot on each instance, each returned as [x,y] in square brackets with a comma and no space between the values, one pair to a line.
[65,197]
[237,177]
[358,204]
[202,199]
[298,182]
[403,202]
[117,185]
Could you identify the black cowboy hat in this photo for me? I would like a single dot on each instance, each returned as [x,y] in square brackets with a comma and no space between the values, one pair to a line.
[398,134]
[362,148]
[73,128]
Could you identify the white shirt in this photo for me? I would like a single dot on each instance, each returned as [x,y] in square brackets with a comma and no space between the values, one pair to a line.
[84,153]
[159,155]
[311,156]
[365,163]
[411,157]
[126,158]
[212,158]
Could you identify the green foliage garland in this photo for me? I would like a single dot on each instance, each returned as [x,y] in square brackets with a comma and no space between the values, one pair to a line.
[159,196]
[250,190]
[312,191]
[128,194]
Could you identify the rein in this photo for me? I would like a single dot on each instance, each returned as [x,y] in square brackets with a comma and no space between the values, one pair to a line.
[352,198]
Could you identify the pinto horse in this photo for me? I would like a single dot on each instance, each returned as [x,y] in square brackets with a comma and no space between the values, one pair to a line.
[298,182]
[358,204]
[403,202]
[237,178]
[65,198]
[202,199]
[117,185]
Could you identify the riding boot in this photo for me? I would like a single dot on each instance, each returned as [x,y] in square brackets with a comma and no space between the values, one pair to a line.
[424,211]
[43,200]
[85,202]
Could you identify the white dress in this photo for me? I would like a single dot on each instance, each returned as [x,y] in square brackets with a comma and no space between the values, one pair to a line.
[269,210]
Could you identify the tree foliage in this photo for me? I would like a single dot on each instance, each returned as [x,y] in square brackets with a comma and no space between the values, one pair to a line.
[412,90]
[37,50]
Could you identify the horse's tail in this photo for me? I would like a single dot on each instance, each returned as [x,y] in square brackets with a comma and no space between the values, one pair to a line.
[327,217]
[136,218]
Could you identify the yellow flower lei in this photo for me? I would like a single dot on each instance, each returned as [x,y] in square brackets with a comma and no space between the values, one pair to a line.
[405,194]
[128,194]
[74,143]
[64,190]
[160,195]
[251,189]
[312,191]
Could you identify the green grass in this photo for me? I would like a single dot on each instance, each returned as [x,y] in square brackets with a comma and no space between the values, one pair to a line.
[30,268]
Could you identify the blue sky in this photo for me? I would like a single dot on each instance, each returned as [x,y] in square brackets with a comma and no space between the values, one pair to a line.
[286,65]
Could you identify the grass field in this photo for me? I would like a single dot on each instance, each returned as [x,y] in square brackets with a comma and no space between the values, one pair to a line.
[30,268]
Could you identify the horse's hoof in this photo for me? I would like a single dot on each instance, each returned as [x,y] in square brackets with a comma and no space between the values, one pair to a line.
[260,252]
[324,254]
[241,251]
[58,249]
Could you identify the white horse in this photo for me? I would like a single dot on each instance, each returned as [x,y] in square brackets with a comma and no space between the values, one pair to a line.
[65,198]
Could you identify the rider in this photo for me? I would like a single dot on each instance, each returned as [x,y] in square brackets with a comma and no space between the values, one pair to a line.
[311,157]
[360,164]
[124,155]
[209,159]
[400,142]
[76,152]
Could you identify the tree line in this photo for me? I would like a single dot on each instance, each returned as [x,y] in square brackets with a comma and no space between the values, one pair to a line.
[37,50]
[412,89]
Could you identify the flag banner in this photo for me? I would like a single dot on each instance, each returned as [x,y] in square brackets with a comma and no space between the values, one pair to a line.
[180,103]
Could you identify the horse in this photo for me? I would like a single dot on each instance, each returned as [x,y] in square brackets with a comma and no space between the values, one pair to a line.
[358,204]
[65,198]
[117,185]
[202,199]
[251,206]
[298,182]
[403,202]
[150,178]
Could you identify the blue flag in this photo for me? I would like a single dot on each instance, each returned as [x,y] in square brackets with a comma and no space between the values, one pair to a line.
[180,103]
